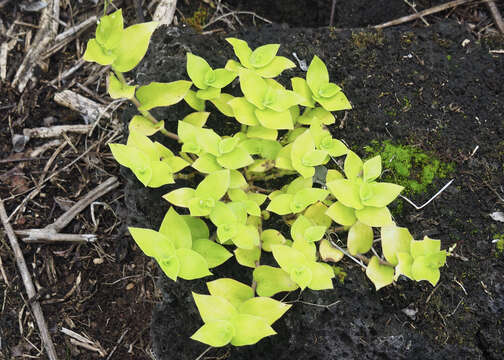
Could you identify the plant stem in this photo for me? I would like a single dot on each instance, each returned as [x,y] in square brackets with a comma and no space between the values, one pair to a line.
[184,176]
[273,175]
[258,262]
[145,113]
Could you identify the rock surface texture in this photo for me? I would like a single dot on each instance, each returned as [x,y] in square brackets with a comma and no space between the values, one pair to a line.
[418,87]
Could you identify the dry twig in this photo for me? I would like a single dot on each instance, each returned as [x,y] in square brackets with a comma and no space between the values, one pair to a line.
[4,50]
[432,10]
[165,12]
[413,7]
[4,275]
[41,236]
[68,36]
[494,10]
[28,283]
[56,131]
[62,76]
[88,108]
[60,223]
[45,35]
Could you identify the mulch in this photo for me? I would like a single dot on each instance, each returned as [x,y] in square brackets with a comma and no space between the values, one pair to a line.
[97,296]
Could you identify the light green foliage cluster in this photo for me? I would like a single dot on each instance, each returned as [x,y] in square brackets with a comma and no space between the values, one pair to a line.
[283,132]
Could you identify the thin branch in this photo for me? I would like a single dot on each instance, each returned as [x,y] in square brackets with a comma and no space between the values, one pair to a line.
[432,10]
[203,353]
[60,223]
[41,236]
[55,131]
[45,35]
[234,13]
[494,10]
[28,283]
[358,261]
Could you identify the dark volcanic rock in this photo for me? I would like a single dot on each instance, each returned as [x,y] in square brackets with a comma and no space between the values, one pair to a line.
[418,87]
[316,13]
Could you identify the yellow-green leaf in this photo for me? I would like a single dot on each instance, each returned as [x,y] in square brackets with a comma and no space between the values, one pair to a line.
[96,53]
[118,90]
[281,204]
[275,67]
[269,309]
[395,239]
[175,228]
[271,280]
[215,333]
[180,197]
[152,243]
[213,308]
[197,68]
[322,275]
[372,168]
[144,126]
[376,217]
[197,119]
[341,214]
[233,291]
[263,55]
[317,74]
[380,275]
[195,102]
[222,104]
[353,166]
[347,192]
[328,252]
[241,50]
[162,94]
[248,257]
[243,111]
[109,29]
[271,237]
[250,329]
[192,265]
[360,238]
[133,46]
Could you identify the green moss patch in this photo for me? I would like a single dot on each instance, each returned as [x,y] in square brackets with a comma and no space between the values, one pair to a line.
[409,166]
[499,245]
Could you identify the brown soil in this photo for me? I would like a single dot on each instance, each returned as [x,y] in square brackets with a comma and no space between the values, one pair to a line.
[106,291]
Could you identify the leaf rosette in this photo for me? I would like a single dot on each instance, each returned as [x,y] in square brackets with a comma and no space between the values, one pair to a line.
[268,101]
[152,163]
[121,48]
[360,197]
[263,60]
[181,246]
[317,88]
[231,314]
[208,81]
[296,197]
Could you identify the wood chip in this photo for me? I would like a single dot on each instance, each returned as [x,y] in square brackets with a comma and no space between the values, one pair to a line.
[89,109]
[45,35]
[56,131]
[4,51]
[165,11]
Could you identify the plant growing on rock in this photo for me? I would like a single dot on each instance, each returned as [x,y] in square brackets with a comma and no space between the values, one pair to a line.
[283,133]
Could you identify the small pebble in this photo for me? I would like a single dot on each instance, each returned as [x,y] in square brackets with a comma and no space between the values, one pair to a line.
[130,286]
